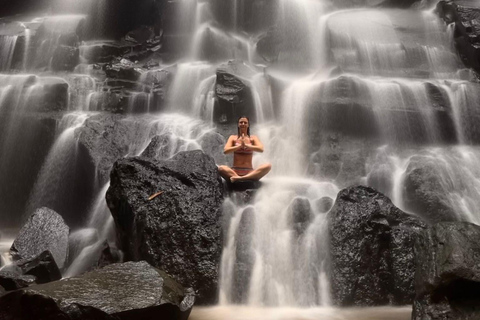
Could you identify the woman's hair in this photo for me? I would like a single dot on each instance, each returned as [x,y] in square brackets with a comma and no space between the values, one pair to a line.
[248,129]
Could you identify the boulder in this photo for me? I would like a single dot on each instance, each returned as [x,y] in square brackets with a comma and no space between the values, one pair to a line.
[132,290]
[426,189]
[179,228]
[13,281]
[301,215]
[163,146]
[44,230]
[371,249]
[42,267]
[233,96]
[338,157]
[102,140]
[269,45]
[447,277]
[65,58]
[324,204]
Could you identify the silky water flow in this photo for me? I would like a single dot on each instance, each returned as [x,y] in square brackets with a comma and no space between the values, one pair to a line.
[362,78]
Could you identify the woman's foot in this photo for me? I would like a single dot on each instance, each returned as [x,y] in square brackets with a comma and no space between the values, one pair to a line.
[234,178]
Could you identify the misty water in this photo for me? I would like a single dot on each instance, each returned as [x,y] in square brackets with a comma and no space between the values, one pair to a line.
[345,95]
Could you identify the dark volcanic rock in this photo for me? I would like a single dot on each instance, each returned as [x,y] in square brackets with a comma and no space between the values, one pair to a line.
[43,267]
[123,69]
[102,140]
[338,157]
[179,230]
[324,204]
[44,230]
[65,58]
[133,290]
[301,214]
[371,249]
[466,16]
[140,35]
[447,277]
[425,190]
[12,281]
[234,97]
[269,45]
[161,146]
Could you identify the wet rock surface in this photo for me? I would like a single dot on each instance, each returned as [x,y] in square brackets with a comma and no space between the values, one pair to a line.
[466,17]
[301,215]
[447,278]
[43,267]
[371,249]
[234,97]
[104,139]
[132,290]
[44,230]
[12,281]
[426,190]
[179,229]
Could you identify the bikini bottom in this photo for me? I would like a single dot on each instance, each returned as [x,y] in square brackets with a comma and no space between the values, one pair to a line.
[242,171]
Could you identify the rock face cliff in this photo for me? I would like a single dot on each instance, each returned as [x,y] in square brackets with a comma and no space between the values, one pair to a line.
[447,278]
[371,249]
[178,230]
[465,15]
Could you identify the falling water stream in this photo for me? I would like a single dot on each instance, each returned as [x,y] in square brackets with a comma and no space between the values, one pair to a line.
[341,95]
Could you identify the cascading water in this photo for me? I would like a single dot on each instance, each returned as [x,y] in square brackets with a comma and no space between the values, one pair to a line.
[338,94]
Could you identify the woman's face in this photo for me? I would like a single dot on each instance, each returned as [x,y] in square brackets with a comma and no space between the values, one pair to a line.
[243,123]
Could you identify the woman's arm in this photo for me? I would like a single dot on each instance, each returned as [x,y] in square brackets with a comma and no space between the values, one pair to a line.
[230,145]
[255,144]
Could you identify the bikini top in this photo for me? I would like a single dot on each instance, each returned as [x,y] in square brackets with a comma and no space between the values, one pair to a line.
[242,151]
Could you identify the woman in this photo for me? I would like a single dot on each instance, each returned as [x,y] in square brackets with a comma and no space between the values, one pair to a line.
[243,145]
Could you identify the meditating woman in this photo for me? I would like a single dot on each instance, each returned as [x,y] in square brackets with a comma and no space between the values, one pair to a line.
[243,145]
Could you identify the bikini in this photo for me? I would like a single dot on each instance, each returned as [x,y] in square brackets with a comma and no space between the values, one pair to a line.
[241,171]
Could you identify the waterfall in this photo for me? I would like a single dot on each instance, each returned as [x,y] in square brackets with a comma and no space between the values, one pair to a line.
[339,92]
[7,48]
[55,179]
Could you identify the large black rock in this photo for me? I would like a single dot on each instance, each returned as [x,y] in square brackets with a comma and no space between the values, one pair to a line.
[233,96]
[447,276]
[179,229]
[132,290]
[371,249]
[44,230]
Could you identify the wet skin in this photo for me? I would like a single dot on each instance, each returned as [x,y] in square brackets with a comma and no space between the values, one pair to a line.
[243,147]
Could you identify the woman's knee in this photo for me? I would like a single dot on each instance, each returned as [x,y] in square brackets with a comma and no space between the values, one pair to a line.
[222,168]
[267,167]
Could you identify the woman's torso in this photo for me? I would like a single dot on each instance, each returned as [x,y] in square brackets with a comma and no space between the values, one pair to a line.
[242,158]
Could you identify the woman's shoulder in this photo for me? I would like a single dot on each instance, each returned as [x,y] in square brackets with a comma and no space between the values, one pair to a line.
[233,136]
